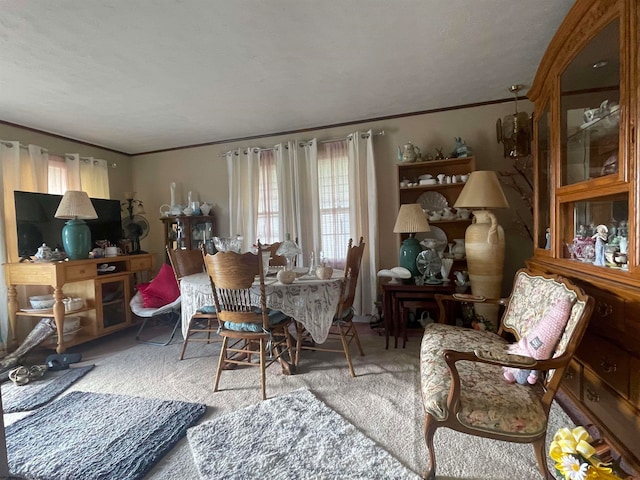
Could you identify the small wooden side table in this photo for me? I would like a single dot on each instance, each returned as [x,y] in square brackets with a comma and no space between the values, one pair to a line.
[397,298]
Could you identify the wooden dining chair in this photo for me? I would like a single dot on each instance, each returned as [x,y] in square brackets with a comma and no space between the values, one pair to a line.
[342,328]
[247,330]
[205,321]
[277,260]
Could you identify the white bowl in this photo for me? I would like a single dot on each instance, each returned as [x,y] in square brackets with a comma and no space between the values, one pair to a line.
[71,304]
[41,302]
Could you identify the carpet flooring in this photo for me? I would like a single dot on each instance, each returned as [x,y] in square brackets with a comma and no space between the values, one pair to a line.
[383,401]
[292,436]
[86,435]
[22,398]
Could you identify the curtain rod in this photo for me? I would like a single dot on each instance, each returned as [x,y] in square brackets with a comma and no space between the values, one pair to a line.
[9,144]
[302,143]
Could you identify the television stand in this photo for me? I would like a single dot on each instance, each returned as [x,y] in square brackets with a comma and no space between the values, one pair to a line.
[106,295]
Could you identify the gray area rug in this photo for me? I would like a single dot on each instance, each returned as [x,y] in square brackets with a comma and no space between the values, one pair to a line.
[383,401]
[292,436]
[36,393]
[97,436]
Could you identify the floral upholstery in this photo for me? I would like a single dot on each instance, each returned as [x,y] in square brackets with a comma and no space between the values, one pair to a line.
[486,400]
[530,297]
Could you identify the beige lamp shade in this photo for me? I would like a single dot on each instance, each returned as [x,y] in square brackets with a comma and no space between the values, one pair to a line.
[76,204]
[411,219]
[482,191]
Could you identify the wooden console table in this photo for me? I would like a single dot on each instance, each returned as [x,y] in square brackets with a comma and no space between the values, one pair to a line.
[397,298]
[106,294]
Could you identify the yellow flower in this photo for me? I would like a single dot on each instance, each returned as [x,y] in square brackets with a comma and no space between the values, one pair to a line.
[572,468]
[574,441]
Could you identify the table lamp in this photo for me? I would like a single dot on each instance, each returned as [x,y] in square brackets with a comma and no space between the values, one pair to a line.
[484,239]
[76,236]
[411,219]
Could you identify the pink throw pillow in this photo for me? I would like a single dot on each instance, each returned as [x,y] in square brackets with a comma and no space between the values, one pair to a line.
[541,340]
[162,290]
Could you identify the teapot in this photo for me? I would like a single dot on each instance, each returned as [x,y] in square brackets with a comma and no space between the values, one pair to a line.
[44,253]
[409,153]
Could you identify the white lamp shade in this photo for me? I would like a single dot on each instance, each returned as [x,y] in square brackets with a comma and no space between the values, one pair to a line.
[76,204]
[482,191]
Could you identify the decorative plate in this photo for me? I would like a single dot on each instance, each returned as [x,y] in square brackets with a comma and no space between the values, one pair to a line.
[432,201]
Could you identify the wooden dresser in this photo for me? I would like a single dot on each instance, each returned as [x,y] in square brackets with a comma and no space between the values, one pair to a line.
[106,293]
[586,95]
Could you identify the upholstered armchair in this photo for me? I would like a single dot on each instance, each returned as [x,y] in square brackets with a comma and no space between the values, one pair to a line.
[468,376]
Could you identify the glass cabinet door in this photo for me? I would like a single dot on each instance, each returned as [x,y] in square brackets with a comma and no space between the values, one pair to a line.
[596,231]
[589,109]
[543,179]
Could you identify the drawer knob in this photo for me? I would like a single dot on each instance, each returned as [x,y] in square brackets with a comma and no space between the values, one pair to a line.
[604,309]
[608,366]
[591,395]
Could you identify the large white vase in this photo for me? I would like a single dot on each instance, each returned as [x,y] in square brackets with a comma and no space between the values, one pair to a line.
[484,245]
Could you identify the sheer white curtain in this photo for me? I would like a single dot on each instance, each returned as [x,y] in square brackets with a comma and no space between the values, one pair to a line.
[88,174]
[20,169]
[291,184]
[364,214]
[244,176]
[310,223]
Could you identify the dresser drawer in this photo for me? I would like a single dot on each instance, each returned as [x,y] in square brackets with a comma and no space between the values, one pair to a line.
[615,413]
[572,380]
[83,271]
[631,338]
[608,314]
[634,381]
[140,264]
[607,360]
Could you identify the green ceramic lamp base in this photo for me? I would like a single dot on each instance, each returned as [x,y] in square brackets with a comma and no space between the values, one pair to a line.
[76,239]
[409,251]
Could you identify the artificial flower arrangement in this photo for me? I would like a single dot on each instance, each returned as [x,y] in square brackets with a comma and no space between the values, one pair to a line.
[575,457]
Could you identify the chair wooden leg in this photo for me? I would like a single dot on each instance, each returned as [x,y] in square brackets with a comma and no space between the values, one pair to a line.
[429,431]
[221,358]
[345,347]
[263,378]
[299,331]
[293,358]
[357,338]
[539,448]
[185,341]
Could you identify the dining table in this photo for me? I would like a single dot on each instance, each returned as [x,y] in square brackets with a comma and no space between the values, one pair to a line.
[309,300]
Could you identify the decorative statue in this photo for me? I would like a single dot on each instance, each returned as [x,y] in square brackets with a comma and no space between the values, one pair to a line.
[461,150]
[600,237]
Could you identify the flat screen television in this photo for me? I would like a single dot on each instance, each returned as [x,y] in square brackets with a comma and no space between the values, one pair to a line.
[36,223]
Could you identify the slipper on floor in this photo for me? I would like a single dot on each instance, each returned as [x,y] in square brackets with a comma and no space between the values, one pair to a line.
[61,361]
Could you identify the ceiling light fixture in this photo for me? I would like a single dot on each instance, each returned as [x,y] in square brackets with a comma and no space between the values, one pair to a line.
[600,64]
[514,131]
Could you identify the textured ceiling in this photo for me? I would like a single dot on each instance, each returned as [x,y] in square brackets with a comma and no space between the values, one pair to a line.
[143,75]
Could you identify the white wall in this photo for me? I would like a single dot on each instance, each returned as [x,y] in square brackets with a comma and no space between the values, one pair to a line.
[203,172]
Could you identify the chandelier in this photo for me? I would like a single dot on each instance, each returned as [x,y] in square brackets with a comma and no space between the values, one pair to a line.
[514,131]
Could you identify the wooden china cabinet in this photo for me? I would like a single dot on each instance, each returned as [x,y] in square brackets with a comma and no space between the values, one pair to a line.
[586,95]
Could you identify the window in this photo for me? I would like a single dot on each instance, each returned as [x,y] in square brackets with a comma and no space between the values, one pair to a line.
[268,225]
[57,172]
[333,187]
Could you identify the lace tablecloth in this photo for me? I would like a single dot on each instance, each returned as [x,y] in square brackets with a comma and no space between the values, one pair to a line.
[309,300]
